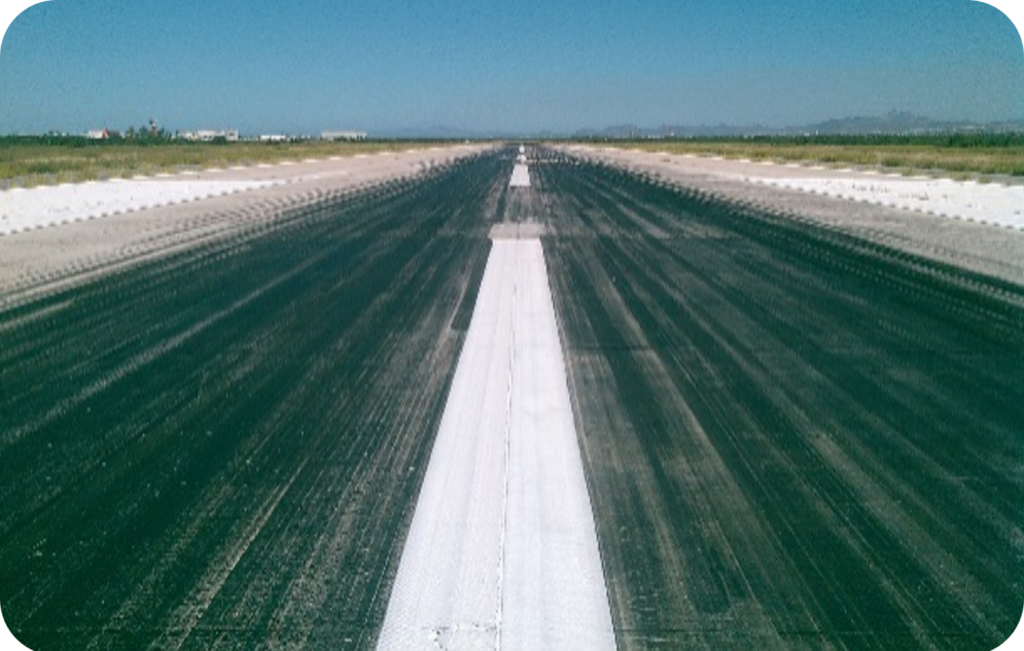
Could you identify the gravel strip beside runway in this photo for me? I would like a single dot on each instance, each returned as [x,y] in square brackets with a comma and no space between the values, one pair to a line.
[44,259]
[25,210]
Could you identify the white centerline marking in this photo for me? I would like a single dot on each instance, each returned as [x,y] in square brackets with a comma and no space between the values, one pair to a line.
[502,552]
[520,176]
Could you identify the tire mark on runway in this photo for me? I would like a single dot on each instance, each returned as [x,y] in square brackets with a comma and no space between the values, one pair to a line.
[142,359]
[145,508]
[773,412]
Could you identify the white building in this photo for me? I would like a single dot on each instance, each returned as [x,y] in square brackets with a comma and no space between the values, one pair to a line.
[101,134]
[208,135]
[343,135]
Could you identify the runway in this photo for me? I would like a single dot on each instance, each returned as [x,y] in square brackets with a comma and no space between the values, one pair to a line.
[502,551]
[791,433]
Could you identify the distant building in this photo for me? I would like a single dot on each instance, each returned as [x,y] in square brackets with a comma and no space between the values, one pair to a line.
[208,135]
[343,135]
[102,134]
[274,137]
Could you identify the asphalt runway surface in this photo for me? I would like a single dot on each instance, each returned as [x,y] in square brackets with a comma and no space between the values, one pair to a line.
[223,448]
[792,437]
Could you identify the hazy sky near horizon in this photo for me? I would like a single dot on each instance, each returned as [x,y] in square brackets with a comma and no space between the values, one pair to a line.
[512,66]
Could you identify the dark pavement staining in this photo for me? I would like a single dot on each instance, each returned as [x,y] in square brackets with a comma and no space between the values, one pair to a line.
[792,438]
[223,448]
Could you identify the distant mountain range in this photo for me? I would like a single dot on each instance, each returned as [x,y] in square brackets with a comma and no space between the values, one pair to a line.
[894,122]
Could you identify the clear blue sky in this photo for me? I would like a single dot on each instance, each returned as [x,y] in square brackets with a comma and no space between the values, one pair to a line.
[513,65]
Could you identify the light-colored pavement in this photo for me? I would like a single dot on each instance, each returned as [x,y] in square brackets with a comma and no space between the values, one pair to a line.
[25,210]
[996,205]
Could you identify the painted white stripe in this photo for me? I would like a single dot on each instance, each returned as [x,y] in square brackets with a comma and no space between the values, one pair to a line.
[502,551]
[520,176]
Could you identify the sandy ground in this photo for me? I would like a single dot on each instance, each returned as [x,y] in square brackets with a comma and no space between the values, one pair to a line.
[52,235]
[974,226]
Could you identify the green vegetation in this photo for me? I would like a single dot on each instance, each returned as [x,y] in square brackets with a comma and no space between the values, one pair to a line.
[27,161]
[957,155]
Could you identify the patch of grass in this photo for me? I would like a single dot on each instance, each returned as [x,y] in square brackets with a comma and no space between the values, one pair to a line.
[32,161]
[991,154]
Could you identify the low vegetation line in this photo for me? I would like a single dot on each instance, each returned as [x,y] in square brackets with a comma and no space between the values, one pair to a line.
[27,161]
[32,161]
[956,155]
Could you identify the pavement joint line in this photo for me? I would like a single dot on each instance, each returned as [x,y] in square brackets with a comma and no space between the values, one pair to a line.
[505,474]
